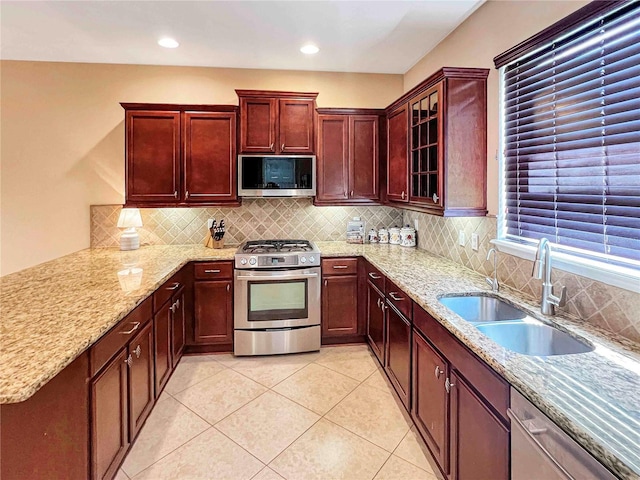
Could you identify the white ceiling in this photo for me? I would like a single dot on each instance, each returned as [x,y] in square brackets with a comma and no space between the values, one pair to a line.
[353,36]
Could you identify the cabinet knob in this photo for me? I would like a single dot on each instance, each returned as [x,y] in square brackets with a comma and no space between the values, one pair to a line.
[178,303]
[228,287]
[403,195]
[448,385]
[186,194]
[438,371]
[435,198]
[282,148]
[351,194]
[175,194]
[271,147]
[138,351]
[129,360]
[326,283]
[378,302]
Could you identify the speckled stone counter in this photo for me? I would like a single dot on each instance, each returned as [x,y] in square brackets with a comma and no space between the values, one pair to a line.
[51,313]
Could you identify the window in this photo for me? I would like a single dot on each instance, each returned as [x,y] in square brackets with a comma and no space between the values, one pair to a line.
[571,136]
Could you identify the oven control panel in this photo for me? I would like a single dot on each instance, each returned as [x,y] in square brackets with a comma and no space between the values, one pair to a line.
[309,259]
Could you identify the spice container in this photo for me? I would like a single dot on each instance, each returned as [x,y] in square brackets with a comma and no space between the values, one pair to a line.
[383,235]
[408,236]
[394,236]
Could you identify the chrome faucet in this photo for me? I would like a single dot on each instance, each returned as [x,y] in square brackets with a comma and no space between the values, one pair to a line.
[542,264]
[493,282]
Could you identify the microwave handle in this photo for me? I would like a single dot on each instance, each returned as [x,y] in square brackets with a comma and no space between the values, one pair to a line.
[277,277]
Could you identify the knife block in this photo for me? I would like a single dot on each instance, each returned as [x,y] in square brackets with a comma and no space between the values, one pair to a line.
[209,242]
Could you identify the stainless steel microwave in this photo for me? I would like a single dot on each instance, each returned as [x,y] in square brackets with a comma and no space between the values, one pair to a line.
[276,175]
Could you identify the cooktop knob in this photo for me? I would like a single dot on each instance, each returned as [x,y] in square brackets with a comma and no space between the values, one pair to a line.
[243,261]
[303,259]
[252,261]
[312,259]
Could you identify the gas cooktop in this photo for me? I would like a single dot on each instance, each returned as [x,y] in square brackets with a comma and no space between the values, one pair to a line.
[277,254]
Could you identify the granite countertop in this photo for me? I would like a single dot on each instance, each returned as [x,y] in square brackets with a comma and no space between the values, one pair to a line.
[53,312]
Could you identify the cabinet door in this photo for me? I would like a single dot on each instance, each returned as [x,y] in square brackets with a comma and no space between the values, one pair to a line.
[363,153]
[397,155]
[376,329]
[258,125]
[296,126]
[340,306]
[162,345]
[333,158]
[479,441]
[109,418]
[430,403]
[153,156]
[178,318]
[213,312]
[141,379]
[209,161]
[399,353]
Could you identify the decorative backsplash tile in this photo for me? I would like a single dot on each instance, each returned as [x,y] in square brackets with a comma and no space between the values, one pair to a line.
[611,308]
[256,219]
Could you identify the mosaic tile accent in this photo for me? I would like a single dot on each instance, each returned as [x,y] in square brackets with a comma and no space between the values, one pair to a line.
[256,219]
[597,303]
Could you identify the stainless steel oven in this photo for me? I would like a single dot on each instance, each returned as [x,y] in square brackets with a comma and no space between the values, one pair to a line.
[276,302]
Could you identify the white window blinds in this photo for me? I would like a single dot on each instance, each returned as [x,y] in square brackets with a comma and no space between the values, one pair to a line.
[572,141]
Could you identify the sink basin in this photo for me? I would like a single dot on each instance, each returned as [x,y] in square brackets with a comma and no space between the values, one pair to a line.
[479,308]
[533,339]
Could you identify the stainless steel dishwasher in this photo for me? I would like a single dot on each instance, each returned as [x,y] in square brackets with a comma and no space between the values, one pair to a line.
[540,450]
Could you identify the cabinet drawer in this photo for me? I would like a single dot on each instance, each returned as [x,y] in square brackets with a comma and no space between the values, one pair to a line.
[213,270]
[398,298]
[493,388]
[339,266]
[119,336]
[166,291]
[374,276]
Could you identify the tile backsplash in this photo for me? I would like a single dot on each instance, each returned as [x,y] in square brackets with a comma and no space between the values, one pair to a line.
[256,219]
[611,308]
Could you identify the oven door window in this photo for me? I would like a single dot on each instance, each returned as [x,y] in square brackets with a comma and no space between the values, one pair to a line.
[277,300]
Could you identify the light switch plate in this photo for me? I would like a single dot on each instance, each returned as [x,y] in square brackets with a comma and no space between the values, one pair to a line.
[415,224]
[461,239]
[474,241]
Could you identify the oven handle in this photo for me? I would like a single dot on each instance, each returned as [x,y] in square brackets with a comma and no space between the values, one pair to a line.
[277,277]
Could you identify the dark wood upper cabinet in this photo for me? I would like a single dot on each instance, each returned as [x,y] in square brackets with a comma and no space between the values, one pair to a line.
[277,122]
[180,155]
[209,161]
[153,156]
[438,143]
[348,156]
[397,148]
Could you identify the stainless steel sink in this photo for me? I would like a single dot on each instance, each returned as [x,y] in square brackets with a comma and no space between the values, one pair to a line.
[480,308]
[533,339]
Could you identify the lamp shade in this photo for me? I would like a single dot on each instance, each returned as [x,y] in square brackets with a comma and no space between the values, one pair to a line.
[129,217]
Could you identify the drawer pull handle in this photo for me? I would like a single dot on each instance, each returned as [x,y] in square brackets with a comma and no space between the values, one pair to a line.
[375,276]
[138,351]
[394,296]
[212,271]
[438,372]
[133,329]
[129,360]
[339,267]
[175,286]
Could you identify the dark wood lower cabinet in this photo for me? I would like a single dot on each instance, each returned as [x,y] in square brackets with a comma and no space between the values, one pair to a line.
[141,379]
[109,418]
[430,405]
[479,440]
[213,314]
[178,321]
[398,365]
[162,346]
[376,328]
[339,306]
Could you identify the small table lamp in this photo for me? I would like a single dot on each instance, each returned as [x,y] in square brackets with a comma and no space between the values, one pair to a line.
[130,219]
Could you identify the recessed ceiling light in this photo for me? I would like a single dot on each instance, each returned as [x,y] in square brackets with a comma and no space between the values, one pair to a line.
[309,49]
[167,42]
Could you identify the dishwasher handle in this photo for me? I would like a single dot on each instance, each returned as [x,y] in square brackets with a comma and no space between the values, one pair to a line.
[529,435]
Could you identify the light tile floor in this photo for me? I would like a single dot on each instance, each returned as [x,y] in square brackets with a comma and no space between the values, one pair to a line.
[325,415]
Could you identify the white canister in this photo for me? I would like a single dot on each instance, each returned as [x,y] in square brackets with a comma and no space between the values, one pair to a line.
[408,236]
[373,236]
[383,235]
[394,236]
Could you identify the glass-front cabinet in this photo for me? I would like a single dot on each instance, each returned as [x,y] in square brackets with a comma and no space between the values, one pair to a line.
[426,148]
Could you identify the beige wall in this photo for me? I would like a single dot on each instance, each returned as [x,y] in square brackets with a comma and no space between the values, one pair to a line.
[495,27]
[63,137]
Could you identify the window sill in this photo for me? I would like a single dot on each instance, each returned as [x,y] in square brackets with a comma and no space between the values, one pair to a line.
[620,277]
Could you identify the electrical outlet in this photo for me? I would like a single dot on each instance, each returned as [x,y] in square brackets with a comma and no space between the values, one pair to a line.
[461,239]
[415,224]
[209,223]
[474,241]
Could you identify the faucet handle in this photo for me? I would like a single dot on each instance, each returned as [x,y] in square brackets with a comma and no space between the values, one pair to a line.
[560,301]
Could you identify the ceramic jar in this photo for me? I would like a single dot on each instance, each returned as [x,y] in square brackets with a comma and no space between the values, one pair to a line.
[383,235]
[394,236]
[408,236]
[373,236]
